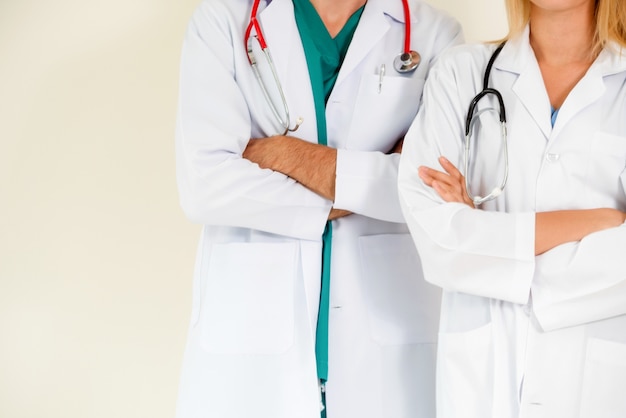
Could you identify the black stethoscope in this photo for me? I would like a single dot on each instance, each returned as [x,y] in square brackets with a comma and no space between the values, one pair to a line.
[469,122]
[407,61]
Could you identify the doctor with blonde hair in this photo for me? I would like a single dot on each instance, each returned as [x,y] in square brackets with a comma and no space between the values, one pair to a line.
[517,206]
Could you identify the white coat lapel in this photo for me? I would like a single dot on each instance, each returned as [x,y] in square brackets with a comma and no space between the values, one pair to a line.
[518,57]
[280,30]
[372,27]
[588,90]
[591,87]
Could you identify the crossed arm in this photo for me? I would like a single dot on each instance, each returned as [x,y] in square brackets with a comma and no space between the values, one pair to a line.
[312,165]
[551,228]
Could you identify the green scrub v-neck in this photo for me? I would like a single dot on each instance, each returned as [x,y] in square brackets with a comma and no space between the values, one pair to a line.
[324,56]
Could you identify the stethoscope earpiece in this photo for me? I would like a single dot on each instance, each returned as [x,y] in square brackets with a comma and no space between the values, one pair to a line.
[406,61]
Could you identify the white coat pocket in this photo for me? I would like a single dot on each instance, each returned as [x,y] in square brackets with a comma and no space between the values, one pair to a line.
[402,307]
[604,380]
[387,112]
[465,369]
[248,302]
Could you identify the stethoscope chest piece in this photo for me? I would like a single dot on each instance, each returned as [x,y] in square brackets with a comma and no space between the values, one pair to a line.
[406,62]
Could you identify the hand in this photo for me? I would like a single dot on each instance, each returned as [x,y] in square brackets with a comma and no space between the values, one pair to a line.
[607,218]
[450,186]
[338,213]
[397,148]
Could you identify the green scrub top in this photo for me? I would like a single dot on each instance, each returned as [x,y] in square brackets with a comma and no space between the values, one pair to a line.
[324,56]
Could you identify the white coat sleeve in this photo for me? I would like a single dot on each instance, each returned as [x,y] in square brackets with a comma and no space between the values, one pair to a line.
[216,185]
[366,182]
[484,253]
[581,282]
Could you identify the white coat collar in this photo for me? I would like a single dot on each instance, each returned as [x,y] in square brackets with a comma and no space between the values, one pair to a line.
[393,8]
[518,57]
[517,53]
[281,31]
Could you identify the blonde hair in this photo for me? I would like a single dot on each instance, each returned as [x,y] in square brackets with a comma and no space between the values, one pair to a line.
[610,17]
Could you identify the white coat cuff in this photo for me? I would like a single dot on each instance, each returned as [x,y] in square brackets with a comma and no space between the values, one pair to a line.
[525,250]
[366,184]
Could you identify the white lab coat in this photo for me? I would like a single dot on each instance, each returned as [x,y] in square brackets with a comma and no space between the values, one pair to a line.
[250,350]
[524,336]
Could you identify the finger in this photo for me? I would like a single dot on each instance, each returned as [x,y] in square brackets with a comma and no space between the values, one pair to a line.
[425,174]
[451,190]
[440,188]
[447,194]
[449,167]
[433,174]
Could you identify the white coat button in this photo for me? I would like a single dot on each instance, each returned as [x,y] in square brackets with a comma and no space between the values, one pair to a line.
[553,158]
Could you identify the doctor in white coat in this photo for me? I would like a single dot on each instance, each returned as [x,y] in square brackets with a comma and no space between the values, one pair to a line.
[533,320]
[264,200]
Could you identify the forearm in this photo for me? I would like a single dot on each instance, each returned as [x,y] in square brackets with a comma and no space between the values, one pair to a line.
[551,228]
[558,227]
[581,282]
[312,165]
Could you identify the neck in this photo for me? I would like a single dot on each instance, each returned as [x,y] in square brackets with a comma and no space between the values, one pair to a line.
[335,13]
[561,37]
[562,40]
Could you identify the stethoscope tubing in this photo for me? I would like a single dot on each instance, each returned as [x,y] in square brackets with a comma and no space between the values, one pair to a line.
[406,62]
[407,27]
[257,28]
[471,115]
[474,103]
[254,23]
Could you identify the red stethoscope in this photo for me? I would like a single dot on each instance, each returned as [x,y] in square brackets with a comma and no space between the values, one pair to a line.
[405,62]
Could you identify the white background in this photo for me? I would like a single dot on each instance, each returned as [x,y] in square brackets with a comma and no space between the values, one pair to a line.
[95,255]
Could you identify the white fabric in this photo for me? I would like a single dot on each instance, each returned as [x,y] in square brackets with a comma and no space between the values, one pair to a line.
[524,336]
[256,285]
